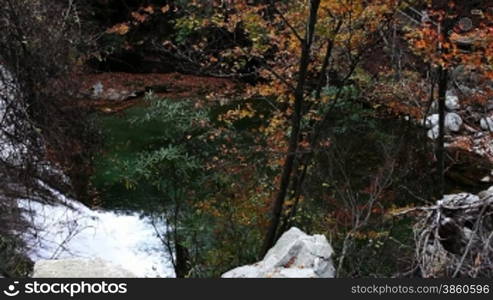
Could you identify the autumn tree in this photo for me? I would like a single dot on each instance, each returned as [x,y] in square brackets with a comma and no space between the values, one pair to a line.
[305,48]
[336,39]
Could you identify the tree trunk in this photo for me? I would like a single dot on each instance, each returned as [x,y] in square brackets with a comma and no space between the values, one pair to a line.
[445,28]
[440,149]
[182,257]
[295,131]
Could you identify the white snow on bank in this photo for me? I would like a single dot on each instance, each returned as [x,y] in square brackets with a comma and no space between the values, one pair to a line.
[125,240]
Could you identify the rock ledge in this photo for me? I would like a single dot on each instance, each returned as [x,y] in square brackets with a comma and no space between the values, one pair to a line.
[79,268]
[295,255]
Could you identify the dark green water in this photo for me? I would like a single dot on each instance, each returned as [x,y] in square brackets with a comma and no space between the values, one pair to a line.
[122,142]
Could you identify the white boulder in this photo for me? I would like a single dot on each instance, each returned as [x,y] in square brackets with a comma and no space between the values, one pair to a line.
[79,268]
[295,255]
[453,122]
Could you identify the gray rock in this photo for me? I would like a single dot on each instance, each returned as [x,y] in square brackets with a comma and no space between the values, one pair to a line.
[433,133]
[459,199]
[451,101]
[97,90]
[487,194]
[118,95]
[79,268]
[487,124]
[113,95]
[453,122]
[295,255]
[465,24]
[431,121]
[468,91]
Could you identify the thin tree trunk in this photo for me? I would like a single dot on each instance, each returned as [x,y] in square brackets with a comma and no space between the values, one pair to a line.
[440,154]
[295,131]
[297,185]
[182,258]
[181,252]
[444,30]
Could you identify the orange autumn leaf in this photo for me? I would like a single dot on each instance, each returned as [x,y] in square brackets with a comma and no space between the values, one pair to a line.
[120,29]
[139,17]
